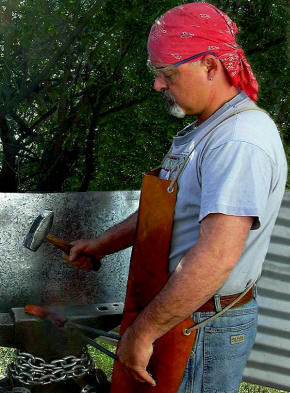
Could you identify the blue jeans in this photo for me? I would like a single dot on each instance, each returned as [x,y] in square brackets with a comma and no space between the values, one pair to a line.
[221,350]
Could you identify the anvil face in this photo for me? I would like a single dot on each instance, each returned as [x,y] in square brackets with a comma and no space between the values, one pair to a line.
[45,339]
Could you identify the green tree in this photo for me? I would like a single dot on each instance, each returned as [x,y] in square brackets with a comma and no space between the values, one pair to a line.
[77,109]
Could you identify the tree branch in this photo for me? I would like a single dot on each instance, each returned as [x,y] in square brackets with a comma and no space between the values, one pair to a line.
[89,155]
[44,117]
[122,57]
[8,176]
[24,129]
[44,74]
[123,106]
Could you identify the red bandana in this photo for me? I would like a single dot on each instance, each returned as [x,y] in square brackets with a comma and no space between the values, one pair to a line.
[192,28]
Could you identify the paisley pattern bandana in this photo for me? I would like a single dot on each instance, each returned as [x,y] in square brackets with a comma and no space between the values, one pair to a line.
[200,27]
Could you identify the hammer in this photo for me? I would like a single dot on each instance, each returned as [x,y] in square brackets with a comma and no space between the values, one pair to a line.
[39,232]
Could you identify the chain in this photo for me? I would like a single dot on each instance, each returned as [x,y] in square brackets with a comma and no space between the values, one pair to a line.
[33,370]
[88,389]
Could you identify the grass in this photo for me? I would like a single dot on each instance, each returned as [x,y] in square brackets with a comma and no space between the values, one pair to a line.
[106,364]
[249,388]
[102,361]
[6,357]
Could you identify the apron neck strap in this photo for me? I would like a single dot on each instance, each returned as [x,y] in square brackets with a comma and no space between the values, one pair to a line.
[185,162]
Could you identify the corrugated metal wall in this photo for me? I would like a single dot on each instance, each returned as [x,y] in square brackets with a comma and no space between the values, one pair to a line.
[269,362]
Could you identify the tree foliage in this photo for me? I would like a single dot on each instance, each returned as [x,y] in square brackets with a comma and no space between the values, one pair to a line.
[77,108]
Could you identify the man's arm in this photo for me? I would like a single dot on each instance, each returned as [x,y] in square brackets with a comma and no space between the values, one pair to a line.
[116,238]
[198,276]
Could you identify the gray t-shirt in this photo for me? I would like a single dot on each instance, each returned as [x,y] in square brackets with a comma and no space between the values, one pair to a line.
[238,169]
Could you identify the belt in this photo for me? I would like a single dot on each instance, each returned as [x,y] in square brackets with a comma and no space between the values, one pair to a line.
[226,300]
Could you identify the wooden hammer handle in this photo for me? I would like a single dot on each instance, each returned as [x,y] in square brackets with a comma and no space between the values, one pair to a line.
[65,246]
[59,243]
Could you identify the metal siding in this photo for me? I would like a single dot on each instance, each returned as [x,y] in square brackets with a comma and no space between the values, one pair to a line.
[269,362]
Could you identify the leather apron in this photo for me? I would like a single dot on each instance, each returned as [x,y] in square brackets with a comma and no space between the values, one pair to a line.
[147,275]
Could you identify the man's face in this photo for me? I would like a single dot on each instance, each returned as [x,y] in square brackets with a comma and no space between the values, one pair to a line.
[186,88]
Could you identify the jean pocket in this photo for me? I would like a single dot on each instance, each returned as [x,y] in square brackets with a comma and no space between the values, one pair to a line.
[226,350]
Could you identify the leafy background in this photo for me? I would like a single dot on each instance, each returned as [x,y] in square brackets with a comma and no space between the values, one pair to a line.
[77,108]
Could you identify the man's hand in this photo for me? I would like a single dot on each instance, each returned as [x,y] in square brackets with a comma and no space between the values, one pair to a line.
[134,353]
[81,253]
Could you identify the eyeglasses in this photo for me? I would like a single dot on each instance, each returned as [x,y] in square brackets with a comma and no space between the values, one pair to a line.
[154,70]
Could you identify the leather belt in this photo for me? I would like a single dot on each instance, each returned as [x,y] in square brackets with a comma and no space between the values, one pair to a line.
[226,300]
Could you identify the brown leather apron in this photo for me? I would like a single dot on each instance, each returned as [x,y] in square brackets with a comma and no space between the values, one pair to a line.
[147,275]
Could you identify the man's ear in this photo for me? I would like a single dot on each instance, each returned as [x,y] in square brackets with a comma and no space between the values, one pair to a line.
[210,64]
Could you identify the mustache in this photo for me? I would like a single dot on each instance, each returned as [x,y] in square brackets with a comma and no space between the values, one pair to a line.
[169,98]
[173,108]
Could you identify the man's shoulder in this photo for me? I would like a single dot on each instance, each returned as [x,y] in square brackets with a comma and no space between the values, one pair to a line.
[249,123]
[254,127]
[258,128]
[255,123]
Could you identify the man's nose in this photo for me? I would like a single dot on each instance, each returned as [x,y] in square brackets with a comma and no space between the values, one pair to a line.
[159,84]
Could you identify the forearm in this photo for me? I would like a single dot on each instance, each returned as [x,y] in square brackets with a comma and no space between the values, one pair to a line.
[194,281]
[118,237]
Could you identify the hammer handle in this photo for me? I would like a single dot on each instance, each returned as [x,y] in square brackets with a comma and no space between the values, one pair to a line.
[59,243]
[65,246]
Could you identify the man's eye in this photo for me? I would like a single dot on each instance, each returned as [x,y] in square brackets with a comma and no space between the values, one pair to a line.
[169,75]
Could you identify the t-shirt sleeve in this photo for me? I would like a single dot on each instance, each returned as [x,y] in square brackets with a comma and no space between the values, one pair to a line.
[235,180]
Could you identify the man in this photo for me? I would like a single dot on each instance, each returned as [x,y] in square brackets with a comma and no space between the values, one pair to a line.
[231,171]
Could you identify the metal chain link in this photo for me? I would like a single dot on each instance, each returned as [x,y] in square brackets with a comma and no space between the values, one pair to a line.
[33,370]
[88,389]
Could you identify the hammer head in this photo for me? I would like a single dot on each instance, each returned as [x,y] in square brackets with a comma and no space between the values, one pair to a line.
[38,231]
